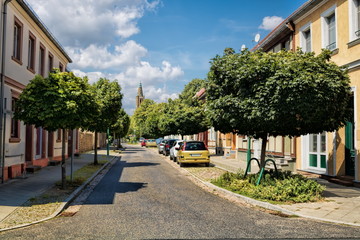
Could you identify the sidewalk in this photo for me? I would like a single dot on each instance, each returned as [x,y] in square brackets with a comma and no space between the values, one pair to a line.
[16,192]
[341,204]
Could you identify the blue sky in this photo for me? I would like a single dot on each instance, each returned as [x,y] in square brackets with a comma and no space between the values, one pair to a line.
[162,43]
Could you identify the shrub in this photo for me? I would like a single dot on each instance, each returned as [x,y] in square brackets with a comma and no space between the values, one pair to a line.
[281,187]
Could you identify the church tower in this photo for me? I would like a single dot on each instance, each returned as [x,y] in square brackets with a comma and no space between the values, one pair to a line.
[140,96]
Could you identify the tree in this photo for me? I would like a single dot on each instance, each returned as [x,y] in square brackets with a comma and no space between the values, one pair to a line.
[121,127]
[269,94]
[187,96]
[139,118]
[108,102]
[60,101]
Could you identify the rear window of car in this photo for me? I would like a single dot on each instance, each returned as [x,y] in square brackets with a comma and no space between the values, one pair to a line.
[151,140]
[193,146]
[171,142]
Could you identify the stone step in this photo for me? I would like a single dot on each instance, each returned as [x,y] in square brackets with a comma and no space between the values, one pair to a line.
[32,168]
[344,182]
[53,163]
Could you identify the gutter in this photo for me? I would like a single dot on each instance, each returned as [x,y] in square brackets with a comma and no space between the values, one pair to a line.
[283,26]
[2,72]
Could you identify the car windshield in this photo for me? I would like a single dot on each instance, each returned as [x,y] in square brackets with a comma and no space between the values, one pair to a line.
[195,146]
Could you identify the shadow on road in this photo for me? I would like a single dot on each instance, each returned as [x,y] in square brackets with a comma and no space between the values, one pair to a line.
[104,192]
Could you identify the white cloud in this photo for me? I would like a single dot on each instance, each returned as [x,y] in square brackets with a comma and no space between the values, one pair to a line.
[102,57]
[269,23]
[146,73]
[82,22]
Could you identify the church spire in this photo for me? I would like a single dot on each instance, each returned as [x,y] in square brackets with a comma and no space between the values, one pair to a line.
[140,96]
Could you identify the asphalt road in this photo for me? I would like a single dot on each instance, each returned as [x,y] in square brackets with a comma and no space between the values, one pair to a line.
[145,197]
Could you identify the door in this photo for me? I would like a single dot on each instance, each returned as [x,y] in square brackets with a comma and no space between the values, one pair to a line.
[39,143]
[317,151]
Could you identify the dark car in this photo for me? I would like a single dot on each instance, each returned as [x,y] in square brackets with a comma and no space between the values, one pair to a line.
[168,144]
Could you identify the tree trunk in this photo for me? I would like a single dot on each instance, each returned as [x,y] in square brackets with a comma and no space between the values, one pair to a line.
[95,149]
[63,167]
[263,150]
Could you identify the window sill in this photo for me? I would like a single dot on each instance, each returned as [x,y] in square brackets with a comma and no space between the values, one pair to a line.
[16,60]
[353,43]
[334,52]
[31,70]
[14,140]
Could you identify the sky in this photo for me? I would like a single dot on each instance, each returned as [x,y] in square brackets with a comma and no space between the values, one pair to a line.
[163,44]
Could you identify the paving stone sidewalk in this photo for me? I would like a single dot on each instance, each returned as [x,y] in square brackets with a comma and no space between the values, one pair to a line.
[15,192]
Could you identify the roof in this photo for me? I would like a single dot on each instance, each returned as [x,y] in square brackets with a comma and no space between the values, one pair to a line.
[42,26]
[283,26]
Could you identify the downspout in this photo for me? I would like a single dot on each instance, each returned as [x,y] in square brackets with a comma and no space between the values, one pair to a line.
[2,130]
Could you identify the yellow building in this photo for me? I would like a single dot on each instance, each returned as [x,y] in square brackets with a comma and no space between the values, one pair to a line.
[331,24]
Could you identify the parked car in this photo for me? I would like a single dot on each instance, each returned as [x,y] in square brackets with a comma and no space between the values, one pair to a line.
[161,146]
[173,152]
[193,152]
[150,143]
[168,144]
[143,143]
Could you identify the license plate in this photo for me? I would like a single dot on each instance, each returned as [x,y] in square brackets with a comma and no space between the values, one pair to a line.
[195,155]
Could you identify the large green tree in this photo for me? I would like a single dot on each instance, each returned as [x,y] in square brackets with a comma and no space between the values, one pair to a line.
[269,94]
[108,99]
[60,101]
[140,117]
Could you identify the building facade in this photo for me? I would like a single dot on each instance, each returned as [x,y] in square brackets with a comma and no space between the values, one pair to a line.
[335,25]
[28,48]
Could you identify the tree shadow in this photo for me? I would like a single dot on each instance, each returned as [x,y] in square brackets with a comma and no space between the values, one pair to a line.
[110,185]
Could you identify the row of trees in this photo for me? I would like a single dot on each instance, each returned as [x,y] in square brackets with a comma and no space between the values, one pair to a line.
[182,116]
[65,101]
[258,94]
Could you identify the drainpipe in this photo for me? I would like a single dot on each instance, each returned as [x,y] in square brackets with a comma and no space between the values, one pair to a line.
[2,130]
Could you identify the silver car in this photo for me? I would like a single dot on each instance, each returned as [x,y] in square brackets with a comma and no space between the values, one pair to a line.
[174,149]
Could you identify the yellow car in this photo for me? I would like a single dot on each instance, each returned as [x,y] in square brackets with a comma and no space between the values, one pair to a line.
[193,152]
[151,143]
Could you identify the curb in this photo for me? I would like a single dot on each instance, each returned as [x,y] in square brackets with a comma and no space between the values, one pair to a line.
[261,204]
[68,200]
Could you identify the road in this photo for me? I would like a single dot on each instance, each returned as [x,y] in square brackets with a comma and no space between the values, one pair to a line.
[143,196]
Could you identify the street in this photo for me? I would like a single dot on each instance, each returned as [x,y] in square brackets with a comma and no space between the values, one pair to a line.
[145,196]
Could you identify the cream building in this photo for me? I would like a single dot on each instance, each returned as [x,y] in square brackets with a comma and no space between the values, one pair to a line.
[28,49]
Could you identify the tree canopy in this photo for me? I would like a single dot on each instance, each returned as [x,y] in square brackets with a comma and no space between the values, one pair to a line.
[286,93]
[61,100]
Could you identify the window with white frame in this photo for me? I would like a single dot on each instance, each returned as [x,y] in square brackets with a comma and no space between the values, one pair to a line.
[354,19]
[305,38]
[329,31]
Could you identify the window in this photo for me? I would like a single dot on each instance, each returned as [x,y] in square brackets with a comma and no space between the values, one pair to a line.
[328,20]
[354,19]
[61,67]
[15,124]
[51,62]
[305,38]
[42,60]
[17,41]
[31,53]
[58,136]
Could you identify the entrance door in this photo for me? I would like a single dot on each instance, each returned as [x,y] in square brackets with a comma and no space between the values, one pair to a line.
[39,142]
[317,151]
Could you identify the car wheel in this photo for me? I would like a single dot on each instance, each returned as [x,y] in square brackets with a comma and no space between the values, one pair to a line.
[181,164]
[171,157]
[159,152]
[207,164]
[165,153]
[175,159]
